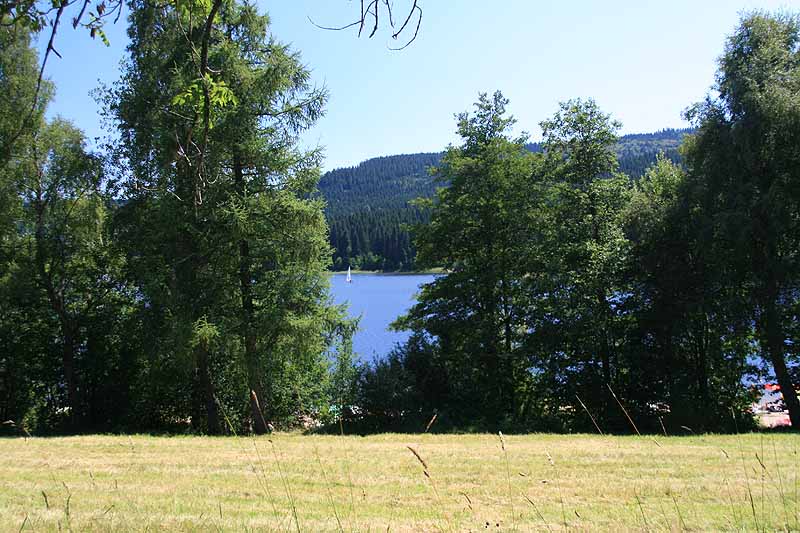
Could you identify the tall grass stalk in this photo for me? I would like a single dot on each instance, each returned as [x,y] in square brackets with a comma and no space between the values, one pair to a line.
[764,474]
[286,486]
[734,514]
[746,476]
[667,521]
[431,422]
[623,410]
[539,514]
[67,502]
[262,479]
[597,427]
[781,490]
[426,473]
[558,486]
[330,492]
[349,477]
[641,509]
[796,513]
[678,511]
[508,480]
[469,502]
[261,475]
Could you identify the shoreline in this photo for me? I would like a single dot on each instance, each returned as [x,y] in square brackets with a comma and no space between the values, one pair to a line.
[428,272]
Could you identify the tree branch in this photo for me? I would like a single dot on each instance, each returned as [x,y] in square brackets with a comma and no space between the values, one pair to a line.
[372,11]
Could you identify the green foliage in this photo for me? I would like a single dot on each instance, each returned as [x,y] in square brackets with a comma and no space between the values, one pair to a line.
[32,17]
[230,262]
[203,333]
[193,96]
[371,206]
[689,315]
[179,283]
[65,282]
[403,391]
[564,281]
[18,81]
[744,166]
[478,232]
[203,279]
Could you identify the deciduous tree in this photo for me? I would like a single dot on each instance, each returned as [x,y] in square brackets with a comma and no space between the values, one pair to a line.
[746,156]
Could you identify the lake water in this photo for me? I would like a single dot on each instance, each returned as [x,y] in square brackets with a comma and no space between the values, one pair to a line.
[379,299]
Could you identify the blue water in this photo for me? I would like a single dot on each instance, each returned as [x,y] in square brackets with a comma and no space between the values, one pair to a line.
[379,299]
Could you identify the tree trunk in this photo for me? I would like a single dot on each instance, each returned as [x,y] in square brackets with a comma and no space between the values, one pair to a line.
[701,371]
[68,344]
[248,315]
[668,348]
[774,346]
[604,347]
[207,387]
[771,332]
[193,305]
[55,297]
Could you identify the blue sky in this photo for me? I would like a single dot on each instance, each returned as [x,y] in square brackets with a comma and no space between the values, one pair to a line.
[642,61]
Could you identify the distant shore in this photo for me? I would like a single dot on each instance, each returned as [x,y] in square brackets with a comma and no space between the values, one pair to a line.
[428,272]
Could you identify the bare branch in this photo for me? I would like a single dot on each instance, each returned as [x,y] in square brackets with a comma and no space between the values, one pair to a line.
[375,28]
[408,18]
[36,93]
[361,28]
[340,28]
[77,19]
[204,71]
[59,8]
[389,9]
[371,11]
[413,37]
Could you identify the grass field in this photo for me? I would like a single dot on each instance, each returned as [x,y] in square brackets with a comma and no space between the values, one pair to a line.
[291,482]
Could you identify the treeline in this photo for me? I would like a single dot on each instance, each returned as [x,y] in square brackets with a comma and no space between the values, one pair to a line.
[176,279]
[575,296]
[370,207]
[368,210]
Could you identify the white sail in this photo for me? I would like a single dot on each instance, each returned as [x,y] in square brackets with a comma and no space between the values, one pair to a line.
[349,279]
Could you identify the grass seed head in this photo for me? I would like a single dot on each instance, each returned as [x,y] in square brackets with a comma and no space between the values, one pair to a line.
[430,423]
[419,458]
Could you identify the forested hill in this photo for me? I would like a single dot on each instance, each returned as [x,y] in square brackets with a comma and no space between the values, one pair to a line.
[368,204]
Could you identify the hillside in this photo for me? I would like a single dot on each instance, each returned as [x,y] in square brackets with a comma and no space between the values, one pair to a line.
[368,205]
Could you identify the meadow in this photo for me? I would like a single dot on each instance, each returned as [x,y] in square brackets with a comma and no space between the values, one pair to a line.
[392,482]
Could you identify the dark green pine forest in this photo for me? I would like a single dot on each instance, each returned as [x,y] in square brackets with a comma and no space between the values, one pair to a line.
[370,207]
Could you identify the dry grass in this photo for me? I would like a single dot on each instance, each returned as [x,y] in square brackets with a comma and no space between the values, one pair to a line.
[326,483]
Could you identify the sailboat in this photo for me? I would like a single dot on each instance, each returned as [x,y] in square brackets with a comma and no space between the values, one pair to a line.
[348,279]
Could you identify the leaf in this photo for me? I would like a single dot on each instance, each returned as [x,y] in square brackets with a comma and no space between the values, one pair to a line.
[203,333]
[103,37]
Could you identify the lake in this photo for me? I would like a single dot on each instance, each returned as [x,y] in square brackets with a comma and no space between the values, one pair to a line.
[379,299]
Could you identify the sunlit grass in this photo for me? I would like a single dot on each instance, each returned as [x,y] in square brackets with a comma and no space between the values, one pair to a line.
[290,482]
